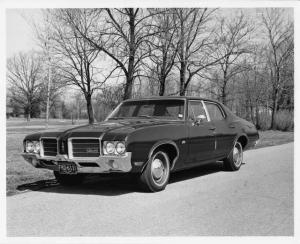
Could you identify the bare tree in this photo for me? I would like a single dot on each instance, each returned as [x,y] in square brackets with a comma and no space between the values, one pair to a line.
[196,46]
[123,37]
[233,35]
[253,86]
[56,89]
[74,56]
[280,35]
[163,46]
[107,100]
[25,82]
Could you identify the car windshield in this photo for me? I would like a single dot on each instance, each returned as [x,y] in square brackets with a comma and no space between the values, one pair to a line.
[169,108]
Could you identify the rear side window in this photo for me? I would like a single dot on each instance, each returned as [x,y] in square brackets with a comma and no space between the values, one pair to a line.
[195,108]
[214,111]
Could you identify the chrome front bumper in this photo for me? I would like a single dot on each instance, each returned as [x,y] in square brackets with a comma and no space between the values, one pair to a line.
[102,164]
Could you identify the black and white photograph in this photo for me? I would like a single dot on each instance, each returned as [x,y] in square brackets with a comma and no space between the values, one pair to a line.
[146,121]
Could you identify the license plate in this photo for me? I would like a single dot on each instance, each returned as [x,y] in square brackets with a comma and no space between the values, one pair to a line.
[67,168]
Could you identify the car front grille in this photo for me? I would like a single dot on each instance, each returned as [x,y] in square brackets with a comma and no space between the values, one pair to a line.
[82,148]
[49,146]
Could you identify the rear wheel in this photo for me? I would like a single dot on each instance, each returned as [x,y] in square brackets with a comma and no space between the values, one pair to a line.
[235,158]
[68,180]
[156,175]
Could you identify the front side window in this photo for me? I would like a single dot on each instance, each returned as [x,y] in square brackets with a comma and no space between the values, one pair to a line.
[169,109]
[196,110]
[214,111]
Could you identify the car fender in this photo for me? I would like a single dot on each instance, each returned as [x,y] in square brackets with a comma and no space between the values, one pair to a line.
[160,143]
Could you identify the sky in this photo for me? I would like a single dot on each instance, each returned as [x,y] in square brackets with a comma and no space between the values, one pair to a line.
[19,30]
[20,34]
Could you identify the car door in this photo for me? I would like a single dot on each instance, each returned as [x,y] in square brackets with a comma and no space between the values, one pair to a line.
[224,133]
[201,137]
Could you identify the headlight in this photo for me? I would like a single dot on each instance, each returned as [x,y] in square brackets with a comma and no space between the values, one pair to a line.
[114,147]
[110,148]
[37,146]
[120,148]
[32,146]
[29,146]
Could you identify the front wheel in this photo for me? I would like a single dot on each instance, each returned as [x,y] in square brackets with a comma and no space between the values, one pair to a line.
[235,158]
[156,175]
[68,179]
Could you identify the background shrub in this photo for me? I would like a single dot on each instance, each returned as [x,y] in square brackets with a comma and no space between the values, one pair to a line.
[264,121]
[284,120]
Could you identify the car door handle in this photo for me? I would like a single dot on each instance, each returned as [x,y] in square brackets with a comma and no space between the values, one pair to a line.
[212,128]
[231,126]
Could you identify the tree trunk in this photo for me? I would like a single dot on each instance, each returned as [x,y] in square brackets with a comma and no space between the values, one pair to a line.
[252,112]
[72,117]
[128,88]
[182,60]
[223,95]
[257,117]
[29,112]
[182,78]
[275,99]
[89,106]
[162,83]
[224,85]
[132,48]
[274,110]
[162,78]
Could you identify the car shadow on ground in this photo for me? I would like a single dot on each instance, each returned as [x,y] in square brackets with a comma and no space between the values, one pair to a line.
[196,172]
[117,184]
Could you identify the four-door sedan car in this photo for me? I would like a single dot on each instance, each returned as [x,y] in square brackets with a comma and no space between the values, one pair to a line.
[149,138]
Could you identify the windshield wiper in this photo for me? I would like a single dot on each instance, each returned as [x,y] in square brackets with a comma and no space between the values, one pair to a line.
[139,116]
[116,118]
[144,116]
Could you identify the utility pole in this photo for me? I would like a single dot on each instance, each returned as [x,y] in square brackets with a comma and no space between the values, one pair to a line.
[47,44]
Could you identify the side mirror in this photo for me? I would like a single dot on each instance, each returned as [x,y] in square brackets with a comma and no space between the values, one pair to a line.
[199,119]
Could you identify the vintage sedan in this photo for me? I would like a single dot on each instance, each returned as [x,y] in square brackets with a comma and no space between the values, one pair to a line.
[148,138]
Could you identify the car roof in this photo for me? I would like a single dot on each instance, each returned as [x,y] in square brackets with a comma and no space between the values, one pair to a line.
[172,97]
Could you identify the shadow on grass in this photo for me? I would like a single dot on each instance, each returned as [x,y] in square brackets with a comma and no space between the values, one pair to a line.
[116,184]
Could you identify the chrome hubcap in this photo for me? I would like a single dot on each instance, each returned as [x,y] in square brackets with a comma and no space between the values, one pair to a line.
[157,169]
[237,155]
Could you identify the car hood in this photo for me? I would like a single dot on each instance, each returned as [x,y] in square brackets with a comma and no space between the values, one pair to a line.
[106,127]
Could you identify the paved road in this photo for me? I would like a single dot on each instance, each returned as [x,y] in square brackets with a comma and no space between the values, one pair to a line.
[257,200]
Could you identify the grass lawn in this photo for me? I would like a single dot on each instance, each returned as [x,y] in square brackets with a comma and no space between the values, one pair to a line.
[19,172]
[274,137]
